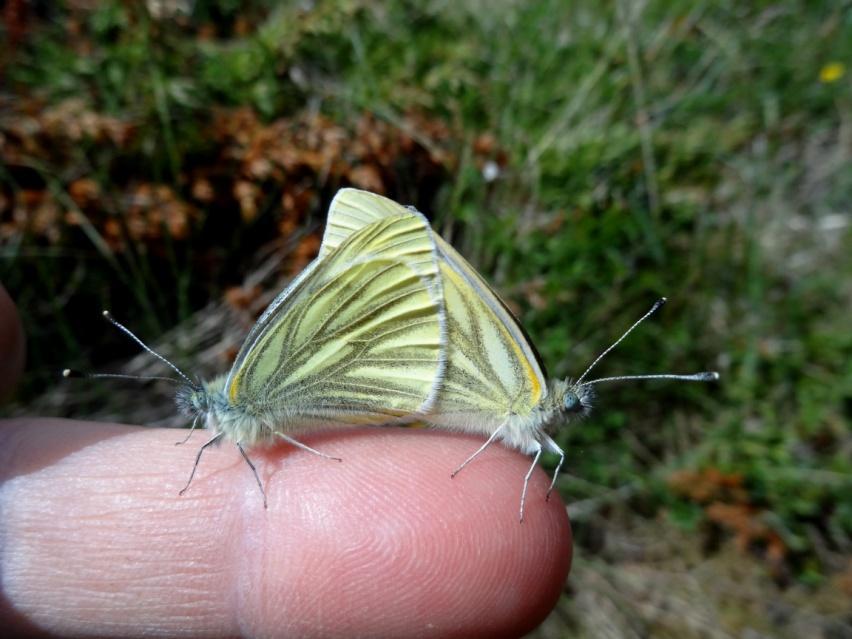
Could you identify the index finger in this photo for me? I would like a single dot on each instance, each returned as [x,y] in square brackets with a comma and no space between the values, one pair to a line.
[96,540]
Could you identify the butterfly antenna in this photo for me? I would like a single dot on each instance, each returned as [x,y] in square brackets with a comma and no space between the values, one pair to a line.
[130,334]
[653,310]
[708,376]
[70,372]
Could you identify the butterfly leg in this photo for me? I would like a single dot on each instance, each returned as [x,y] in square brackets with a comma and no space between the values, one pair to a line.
[254,470]
[186,439]
[553,447]
[527,481]
[210,442]
[299,444]
[487,443]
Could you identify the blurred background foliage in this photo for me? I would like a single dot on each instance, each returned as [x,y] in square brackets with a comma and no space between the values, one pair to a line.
[587,157]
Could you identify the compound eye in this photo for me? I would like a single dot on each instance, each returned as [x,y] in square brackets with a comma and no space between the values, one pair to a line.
[571,401]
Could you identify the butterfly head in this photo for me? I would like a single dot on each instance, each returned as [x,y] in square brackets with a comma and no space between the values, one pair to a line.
[203,398]
[577,399]
[571,399]
[193,400]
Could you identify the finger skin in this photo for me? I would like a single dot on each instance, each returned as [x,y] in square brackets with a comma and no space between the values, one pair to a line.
[94,539]
[11,344]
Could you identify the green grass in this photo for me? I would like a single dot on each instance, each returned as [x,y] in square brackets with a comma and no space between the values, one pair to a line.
[685,149]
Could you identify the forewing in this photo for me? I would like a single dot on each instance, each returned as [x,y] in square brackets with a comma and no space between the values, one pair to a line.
[358,338]
[350,212]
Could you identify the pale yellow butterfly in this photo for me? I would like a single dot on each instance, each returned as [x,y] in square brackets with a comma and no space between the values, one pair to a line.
[357,338]
[494,382]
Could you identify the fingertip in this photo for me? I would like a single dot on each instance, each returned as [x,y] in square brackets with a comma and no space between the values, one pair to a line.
[387,545]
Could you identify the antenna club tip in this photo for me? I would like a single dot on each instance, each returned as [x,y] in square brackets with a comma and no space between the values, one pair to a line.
[66,372]
[106,313]
[712,376]
[70,372]
[658,304]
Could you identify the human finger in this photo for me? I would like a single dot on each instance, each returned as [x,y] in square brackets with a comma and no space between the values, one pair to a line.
[95,538]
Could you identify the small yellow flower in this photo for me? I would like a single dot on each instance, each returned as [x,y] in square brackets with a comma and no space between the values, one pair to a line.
[831,72]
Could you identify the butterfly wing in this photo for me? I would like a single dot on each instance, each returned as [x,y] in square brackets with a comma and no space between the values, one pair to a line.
[358,337]
[353,209]
[492,367]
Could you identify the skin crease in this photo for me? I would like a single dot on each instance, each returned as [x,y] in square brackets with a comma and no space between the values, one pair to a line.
[95,541]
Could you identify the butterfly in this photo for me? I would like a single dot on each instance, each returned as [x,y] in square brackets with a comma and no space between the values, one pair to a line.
[357,338]
[495,382]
